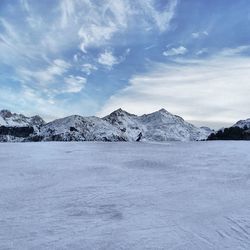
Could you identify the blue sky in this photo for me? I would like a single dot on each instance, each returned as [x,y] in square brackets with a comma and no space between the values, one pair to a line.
[90,57]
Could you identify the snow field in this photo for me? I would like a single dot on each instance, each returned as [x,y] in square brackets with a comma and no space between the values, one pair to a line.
[95,195]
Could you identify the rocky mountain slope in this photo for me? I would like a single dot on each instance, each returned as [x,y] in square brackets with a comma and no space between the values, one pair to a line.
[78,128]
[118,126]
[17,127]
[18,120]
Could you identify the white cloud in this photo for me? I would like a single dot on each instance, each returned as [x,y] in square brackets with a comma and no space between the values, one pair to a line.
[103,21]
[175,51]
[30,102]
[107,59]
[46,76]
[25,5]
[74,84]
[201,51]
[127,52]
[45,35]
[75,58]
[235,51]
[88,68]
[208,90]
[30,45]
[95,35]
[161,18]
[67,11]
[197,35]
[113,17]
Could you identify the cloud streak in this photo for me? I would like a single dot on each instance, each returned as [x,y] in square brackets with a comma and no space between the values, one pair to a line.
[175,51]
[205,90]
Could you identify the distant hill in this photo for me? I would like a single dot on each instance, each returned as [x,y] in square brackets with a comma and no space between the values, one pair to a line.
[239,131]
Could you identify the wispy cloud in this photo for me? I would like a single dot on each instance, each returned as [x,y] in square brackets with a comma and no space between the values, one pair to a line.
[115,16]
[107,59]
[74,84]
[46,76]
[88,68]
[45,38]
[175,51]
[25,5]
[235,51]
[58,52]
[30,101]
[197,35]
[160,18]
[199,90]
[201,52]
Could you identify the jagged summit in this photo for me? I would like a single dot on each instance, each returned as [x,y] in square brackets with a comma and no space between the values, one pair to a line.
[5,113]
[162,115]
[119,112]
[162,110]
[7,118]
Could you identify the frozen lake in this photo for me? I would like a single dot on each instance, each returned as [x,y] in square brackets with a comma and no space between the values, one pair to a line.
[125,196]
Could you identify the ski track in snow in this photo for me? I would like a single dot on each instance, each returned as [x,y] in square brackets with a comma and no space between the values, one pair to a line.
[95,195]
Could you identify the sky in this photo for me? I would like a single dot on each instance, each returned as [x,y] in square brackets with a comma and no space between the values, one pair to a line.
[90,57]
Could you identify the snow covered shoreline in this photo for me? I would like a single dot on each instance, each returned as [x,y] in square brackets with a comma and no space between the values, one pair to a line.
[94,195]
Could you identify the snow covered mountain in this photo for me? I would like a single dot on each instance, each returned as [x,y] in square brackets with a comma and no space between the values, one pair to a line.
[157,126]
[117,126]
[242,123]
[128,124]
[78,128]
[164,126]
[9,119]
[17,127]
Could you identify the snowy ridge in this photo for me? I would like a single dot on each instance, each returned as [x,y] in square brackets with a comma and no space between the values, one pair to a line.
[117,126]
[17,127]
[78,128]
[157,126]
[242,123]
[164,126]
[18,120]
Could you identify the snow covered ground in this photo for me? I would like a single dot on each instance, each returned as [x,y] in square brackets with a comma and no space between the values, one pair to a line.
[95,195]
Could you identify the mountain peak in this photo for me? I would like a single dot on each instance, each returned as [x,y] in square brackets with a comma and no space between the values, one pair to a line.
[5,113]
[19,120]
[162,110]
[37,120]
[120,112]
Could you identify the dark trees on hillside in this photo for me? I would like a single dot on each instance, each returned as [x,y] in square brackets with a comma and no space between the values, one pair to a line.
[232,133]
[16,131]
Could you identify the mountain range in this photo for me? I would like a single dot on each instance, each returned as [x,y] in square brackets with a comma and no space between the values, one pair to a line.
[117,126]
